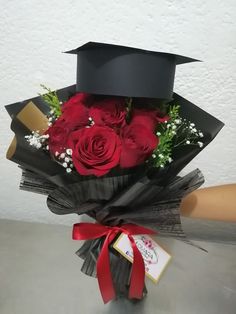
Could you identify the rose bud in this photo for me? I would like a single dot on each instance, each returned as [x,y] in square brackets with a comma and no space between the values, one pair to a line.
[109,112]
[138,143]
[58,136]
[148,118]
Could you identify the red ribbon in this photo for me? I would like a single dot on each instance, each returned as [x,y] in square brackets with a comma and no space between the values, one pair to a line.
[85,231]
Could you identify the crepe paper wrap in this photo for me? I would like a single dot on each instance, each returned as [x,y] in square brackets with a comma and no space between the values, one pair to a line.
[145,197]
[115,201]
[143,203]
[84,231]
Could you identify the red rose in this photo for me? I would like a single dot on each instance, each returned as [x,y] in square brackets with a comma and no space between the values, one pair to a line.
[75,116]
[58,136]
[75,111]
[161,117]
[79,98]
[110,112]
[95,150]
[138,143]
[148,118]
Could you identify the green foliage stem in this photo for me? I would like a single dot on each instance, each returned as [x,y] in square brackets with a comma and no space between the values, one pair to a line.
[51,98]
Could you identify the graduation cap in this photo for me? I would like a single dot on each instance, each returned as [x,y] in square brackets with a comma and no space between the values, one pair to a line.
[107,69]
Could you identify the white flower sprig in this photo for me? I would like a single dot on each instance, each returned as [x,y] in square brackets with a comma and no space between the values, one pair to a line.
[38,141]
[188,134]
[52,117]
[174,133]
[65,159]
[41,142]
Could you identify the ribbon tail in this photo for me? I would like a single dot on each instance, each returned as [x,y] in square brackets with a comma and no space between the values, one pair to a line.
[137,274]
[104,273]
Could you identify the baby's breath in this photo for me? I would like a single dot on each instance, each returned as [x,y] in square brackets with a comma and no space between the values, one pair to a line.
[65,159]
[36,140]
[174,133]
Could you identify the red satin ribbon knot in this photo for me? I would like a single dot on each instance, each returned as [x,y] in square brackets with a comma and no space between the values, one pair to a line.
[86,231]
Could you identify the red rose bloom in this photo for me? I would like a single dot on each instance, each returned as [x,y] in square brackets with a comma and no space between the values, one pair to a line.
[79,98]
[95,150]
[148,118]
[75,116]
[161,117]
[109,112]
[138,143]
[58,136]
[75,110]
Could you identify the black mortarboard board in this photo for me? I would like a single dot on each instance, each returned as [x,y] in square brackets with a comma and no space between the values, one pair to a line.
[107,69]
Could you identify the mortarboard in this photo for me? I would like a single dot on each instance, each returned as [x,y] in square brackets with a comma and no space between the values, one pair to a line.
[107,69]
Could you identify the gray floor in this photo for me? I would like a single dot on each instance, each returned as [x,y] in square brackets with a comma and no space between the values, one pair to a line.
[39,273]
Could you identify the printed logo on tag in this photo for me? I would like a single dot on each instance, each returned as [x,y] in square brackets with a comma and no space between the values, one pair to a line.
[154,256]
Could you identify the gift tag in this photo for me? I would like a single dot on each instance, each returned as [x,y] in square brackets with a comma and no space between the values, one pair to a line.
[154,256]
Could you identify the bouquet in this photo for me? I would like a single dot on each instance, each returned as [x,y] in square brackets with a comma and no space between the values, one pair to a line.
[111,147]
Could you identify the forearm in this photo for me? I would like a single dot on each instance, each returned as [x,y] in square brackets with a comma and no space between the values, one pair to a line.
[214,203]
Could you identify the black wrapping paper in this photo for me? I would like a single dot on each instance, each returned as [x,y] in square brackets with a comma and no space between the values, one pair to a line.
[40,163]
[145,196]
[143,203]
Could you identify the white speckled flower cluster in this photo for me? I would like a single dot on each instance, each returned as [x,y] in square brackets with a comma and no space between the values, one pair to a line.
[52,117]
[65,159]
[41,142]
[189,131]
[175,132]
[38,141]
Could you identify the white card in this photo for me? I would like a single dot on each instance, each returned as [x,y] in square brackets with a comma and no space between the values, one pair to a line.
[154,256]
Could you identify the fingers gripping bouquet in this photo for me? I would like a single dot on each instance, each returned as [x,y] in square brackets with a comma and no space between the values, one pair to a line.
[111,147]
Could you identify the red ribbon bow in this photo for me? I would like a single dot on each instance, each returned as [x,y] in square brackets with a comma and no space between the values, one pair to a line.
[85,231]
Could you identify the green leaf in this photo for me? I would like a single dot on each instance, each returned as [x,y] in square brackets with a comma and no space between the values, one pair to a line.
[51,98]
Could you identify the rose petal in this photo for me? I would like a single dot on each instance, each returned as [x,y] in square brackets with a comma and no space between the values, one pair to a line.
[138,143]
[96,150]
